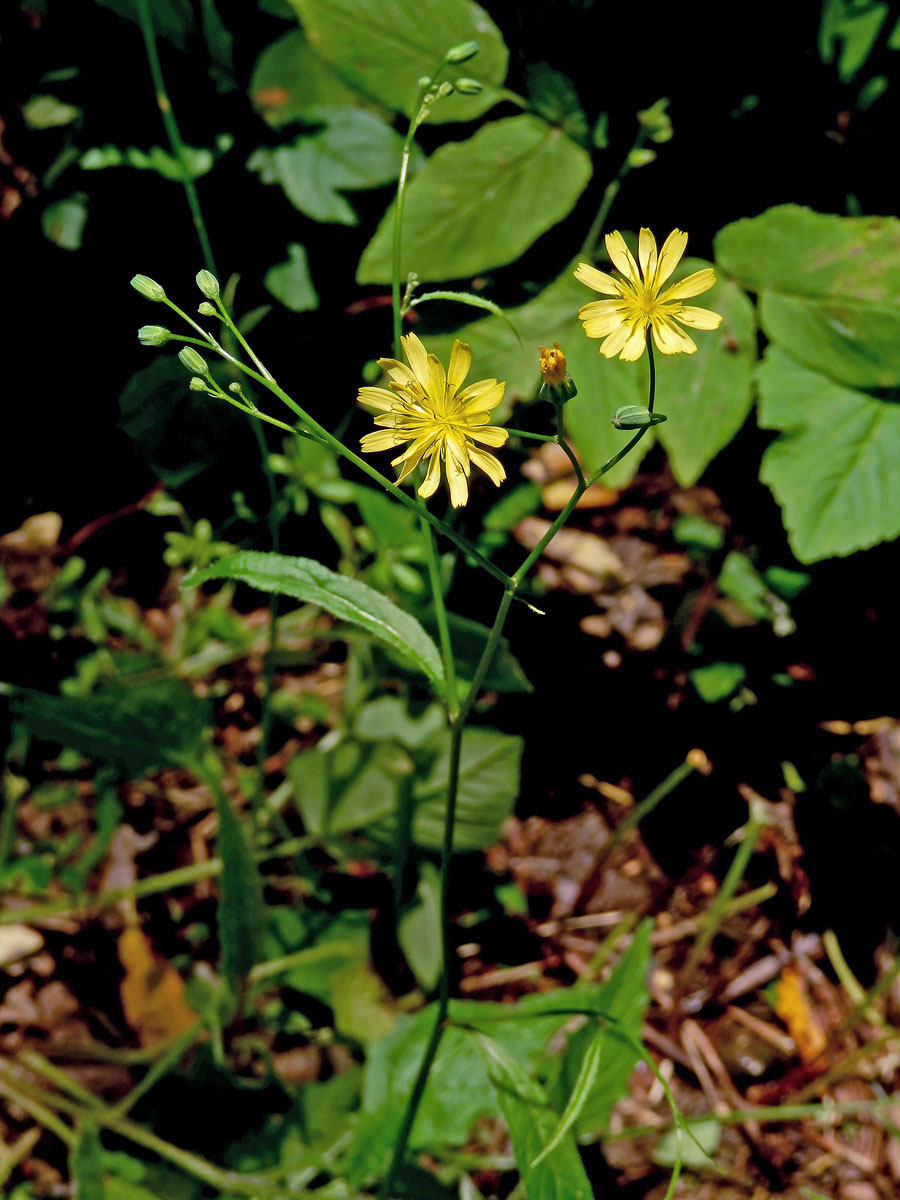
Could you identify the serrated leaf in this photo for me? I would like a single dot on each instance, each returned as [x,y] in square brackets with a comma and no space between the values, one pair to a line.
[290,281]
[345,598]
[291,82]
[481,203]
[558,1175]
[707,396]
[835,470]
[354,151]
[382,51]
[603,385]
[829,288]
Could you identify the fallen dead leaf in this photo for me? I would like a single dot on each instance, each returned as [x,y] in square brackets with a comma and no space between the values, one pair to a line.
[793,1006]
[152,991]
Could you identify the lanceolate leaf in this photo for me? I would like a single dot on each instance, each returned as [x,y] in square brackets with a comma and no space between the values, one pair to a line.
[829,288]
[481,203]
[835,470]
[587,1075]
[383,50]
[345,598]
[86,1164]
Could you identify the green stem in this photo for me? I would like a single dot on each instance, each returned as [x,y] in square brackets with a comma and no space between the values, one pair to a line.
[561,441]
[647,805]
[589,245]
[440,612]
[399,204]
[525,433]
[733,877]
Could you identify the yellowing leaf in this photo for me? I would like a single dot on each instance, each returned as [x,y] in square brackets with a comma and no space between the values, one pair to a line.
[152,992]
[793,1006]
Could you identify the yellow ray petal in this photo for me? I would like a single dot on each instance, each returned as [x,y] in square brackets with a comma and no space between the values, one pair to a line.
[491,435]
[647,255]
[616,340]
[698,318]
[477,399]
[381,439]
[598,280]
[670,256]
[491,466]
[379,399]
[456,478]
[634,346]
[600,326]
[429,484]
[417,356]
[621,257]
[692,285]
[437,384]
[672,340]
[460,362]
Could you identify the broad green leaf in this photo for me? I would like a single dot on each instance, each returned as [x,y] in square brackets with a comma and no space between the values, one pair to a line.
[707,395]
[708,1134]
[291,82]
[63,221]
[557,1175]
[481,203]
[290,281]
[360,1003]
[554,97]
[835,470]
[355,150]
[488,788]
[345,598]
[717,681]
[86,1164]
[587,1077]
[389,717]
[134,726]
[603,384]
[848,31]
[470,638]
[240,913]
[624,998]
[383,50]
[419,929]
[308,773]
[828,287]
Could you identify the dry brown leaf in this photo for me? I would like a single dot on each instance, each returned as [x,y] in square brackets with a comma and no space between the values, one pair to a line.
[152,991]
[793,1006]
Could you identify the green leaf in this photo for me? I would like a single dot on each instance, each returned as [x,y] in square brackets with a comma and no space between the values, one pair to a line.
[49,112]
[63,221]
[740,580]
[86,1164]
[557,1174]
[178,432]
[389,717]
[199,161]
[554,97]
[359,1000]
[835,470]
[134,726]
[848,31]
[470,638]
[603,384]
[829,288]
[691,530]
[708,1134]
[489,770]
[419,929]
[587,1077]
[382,51]
[241,913]
[345,598]
[718,680]
[172,19]
[308,773]
[290,281]
[707,396]
[481,203]
[354,151]
[291,82]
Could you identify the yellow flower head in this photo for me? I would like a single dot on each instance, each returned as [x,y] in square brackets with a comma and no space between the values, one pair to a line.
[441,423]
[639,303]
[553,364]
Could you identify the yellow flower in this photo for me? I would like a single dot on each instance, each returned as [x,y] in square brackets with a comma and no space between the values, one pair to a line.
[639,303]
[440,422]
[553,364]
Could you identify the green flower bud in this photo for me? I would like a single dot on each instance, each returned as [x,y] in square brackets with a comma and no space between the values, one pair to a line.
[198,385]
[468,87]
[461,53]
[207,310]
[235,387]
[153,335]
[424,82]
[446,88]
[208,284]
[148,287]
[192,361]
[641,157]
[633,416]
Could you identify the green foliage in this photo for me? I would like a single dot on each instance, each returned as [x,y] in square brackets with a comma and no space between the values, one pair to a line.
[86,1164]
[717,681]
[63,221]
[49,112]
[481,203]
[836,469]
[291,82]
[172,19]
[553,96]
[199,161]
[133,726]
[240,914]
[848,31]
[345,598]
[383,54]
[290,281]
[419,929]
[354,151]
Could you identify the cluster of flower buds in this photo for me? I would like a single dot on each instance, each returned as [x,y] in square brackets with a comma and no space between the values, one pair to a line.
[467,87]
[557,384]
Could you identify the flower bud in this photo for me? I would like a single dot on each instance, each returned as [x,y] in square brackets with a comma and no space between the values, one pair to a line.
[192,361]
[461,53]
[557,384]
[153,335]
[641,157]
[468,87]
[633,416]
[199,385]
[424,82]
[208,284]
[446,88]
[207,310]
[148,287]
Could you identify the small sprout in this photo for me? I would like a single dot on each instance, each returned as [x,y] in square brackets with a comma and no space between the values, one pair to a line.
[206,309]
[446,88]
[208,284]
[461,53]
[656,121]
[153,335]
[148,287]
[634,416]
[468,87]
[193,362]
